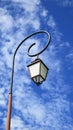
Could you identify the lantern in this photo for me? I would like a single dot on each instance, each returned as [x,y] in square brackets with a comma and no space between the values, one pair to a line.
[38,71]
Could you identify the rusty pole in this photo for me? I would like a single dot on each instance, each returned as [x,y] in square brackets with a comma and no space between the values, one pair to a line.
[9,112]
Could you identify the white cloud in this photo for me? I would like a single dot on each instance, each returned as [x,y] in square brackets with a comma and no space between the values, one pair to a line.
[2,97]
[29,6]
[65,3]
[44,13]
[69,57]
[6,20]
[51,22]
[65,44]
[17,123]
[42,108]
[30,20]
[35,24]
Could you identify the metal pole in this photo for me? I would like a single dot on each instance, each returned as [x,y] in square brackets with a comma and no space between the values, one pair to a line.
[9,112]
[8,121]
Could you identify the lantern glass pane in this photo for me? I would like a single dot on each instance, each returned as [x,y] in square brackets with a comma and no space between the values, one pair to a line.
[38,79]
[43,71]
[34,69]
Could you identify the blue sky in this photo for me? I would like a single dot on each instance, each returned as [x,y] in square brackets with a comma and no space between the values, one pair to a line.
[50,106]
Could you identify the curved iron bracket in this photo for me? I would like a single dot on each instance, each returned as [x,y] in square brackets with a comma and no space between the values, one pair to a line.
[47,44]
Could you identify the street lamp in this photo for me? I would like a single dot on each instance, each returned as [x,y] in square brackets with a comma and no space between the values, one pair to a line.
[38,71]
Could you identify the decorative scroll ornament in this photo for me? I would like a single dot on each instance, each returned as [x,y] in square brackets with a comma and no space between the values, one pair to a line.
[47,44]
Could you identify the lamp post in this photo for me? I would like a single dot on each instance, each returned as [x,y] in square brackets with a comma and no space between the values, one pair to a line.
[38,71]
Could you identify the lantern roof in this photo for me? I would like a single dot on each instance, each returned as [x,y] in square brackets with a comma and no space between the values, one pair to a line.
[36,61]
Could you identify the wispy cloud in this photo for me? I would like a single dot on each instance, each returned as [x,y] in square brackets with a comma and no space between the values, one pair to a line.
[65,3]
[69,58]
[44,13]
[51,22]
[45,107]
[6,21]
[28,5]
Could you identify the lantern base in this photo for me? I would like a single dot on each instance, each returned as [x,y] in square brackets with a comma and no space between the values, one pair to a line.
[38,79]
